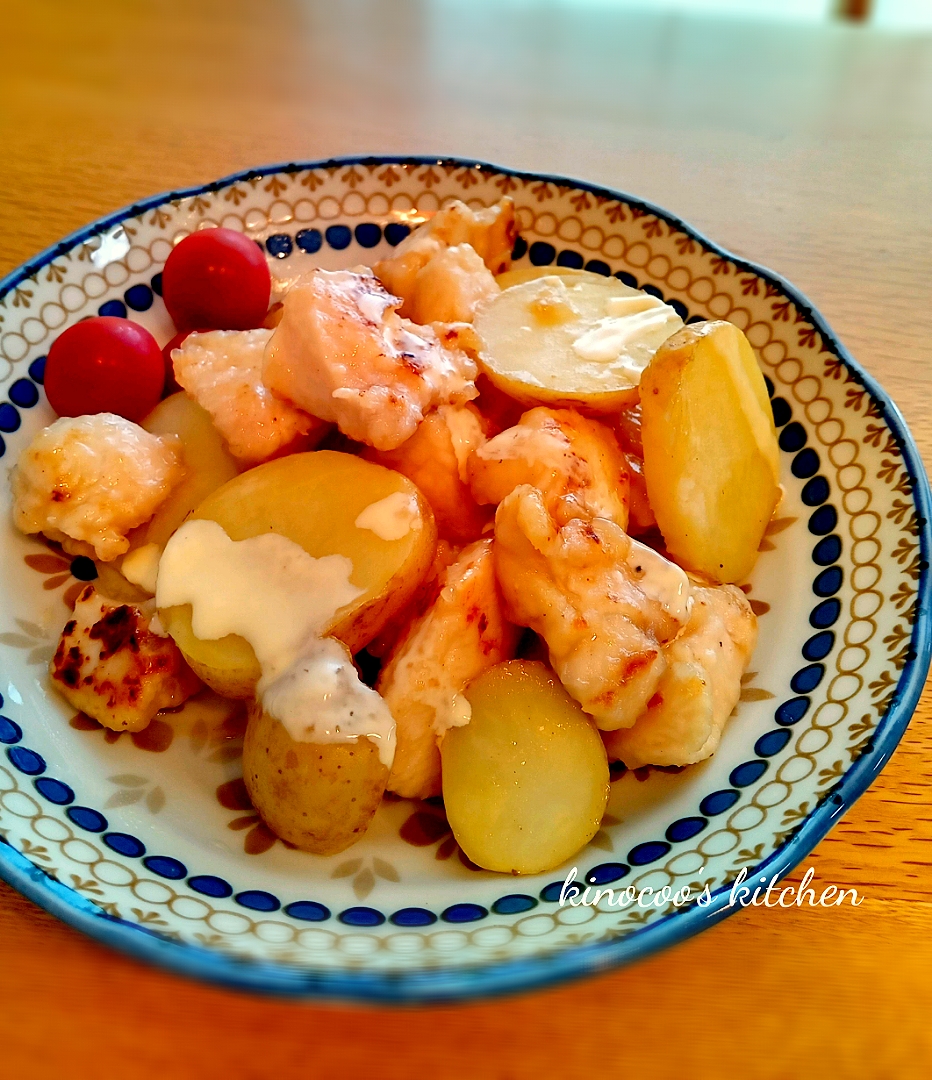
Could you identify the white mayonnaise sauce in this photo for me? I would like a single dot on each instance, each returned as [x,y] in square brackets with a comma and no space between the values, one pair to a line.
[270,591]
[390,518]
[628,336]
[343,707]
[660,580]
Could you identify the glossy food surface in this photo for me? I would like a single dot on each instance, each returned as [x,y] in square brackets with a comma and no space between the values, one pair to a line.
[525,782]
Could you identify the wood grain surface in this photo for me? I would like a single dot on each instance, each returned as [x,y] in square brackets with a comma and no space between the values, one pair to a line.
[808,149]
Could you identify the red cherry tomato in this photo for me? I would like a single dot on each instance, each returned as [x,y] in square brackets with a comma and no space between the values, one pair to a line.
[217,279]
[105,364]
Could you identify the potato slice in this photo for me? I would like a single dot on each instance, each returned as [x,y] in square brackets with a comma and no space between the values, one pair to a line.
[566,339]
[318,796]
[207,462]
[315,500]
[525,782]
[711,461]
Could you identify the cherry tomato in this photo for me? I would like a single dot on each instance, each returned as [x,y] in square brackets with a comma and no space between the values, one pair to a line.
[105,364]
[217,279]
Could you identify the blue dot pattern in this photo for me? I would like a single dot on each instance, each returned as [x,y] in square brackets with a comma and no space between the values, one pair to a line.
[139,297]
[125,844]
[10,732]
[279,246]
[719,801]
[165,867]
[307,911]
[24,393]
[309,240]
[650,852]
[27,761]
[86,818]
[257,900]
[209,885]
[338,237]
[460,913]
[514,904]
[361,916]
[9,417]
[54,790]
[606,873]
[685,829]
[413,916]
[367,235]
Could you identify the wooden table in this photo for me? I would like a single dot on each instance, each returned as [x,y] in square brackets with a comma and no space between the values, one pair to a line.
[805,148]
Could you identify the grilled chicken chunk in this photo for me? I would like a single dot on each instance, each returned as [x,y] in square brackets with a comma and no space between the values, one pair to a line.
[463,633]
[222,371]
[697,693]
[342,352]
[112,666]
[86,481]
[575,463]
[434,283]
[604,603]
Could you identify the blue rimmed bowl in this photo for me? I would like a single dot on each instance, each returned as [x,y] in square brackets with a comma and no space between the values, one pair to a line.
[149,843]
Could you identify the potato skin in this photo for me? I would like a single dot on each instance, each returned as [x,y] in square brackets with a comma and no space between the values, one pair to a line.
[318,796]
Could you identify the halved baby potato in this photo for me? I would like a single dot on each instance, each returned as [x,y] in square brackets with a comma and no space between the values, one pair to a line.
[571,339]
[315,500]
[526,781]
[711,460]
[318,796]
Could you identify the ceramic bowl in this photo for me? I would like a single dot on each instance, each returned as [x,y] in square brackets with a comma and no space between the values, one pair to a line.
[149,843]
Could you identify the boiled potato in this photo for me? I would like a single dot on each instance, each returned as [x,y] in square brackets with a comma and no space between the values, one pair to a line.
[525,782]
[570,340]
[313,499]
[318,796]
[711,461]
[208,464]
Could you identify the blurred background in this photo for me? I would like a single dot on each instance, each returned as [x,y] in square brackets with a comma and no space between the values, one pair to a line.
[798,133]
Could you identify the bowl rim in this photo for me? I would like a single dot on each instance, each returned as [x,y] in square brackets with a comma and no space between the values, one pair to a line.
[438,985]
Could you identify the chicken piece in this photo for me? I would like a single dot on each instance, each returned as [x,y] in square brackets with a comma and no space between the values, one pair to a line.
[112,666]
[604,603]
[342,352]
[222,371]
[449,287]
[491,233]
[699,690]
[435,459]
[462,634]
[86,481]
[573,461]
